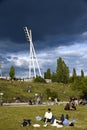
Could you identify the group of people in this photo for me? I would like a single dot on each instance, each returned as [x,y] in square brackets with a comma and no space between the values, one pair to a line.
[63,121]
[50,118]
[36,100]
[70,106]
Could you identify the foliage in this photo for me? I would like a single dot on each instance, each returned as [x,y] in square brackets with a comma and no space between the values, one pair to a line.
[74,75]
[82,73]
[62,71]
[84,88]
[39,79]
[47,75]
[80,84]
[12,72]
[54,77]
[52,94]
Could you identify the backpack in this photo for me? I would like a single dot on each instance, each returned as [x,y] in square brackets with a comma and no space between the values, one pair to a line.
[26,122]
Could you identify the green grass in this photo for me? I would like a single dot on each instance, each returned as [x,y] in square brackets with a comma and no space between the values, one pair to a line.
[14,89]
[11,117]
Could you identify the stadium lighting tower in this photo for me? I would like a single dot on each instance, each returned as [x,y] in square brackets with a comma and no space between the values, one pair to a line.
[0,69]
[34,68]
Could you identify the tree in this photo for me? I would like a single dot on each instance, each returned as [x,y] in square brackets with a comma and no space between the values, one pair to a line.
[62,71]
[52,94]
[80,87]
[47,75]
[74,75]
[12,72]
[39,79]
[65,74]
[54,77]
[82,73]
[59,70]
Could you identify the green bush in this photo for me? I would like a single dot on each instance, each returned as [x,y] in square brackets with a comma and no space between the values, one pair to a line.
[39,79]
[51,94]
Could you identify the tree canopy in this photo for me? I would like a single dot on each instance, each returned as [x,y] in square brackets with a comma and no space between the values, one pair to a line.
[12,72]
[62,71]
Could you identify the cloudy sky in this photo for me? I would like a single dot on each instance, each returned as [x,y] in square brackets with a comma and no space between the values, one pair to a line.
[59,29]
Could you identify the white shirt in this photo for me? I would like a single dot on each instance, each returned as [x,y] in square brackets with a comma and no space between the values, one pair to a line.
[48,115]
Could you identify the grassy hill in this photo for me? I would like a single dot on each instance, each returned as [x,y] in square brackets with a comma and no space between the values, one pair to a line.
[12,116]
[24,91]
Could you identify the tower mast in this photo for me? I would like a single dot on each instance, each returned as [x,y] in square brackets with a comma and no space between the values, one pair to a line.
[0,69]
[33,62]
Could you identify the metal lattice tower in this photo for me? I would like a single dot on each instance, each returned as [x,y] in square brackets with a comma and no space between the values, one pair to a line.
[34,68]
[0,69]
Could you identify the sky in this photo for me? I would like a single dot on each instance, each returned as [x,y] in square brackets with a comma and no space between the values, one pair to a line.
[59,29]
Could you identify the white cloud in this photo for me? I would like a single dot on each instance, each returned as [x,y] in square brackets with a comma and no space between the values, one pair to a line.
[75,56]
[19,60]
[84,34]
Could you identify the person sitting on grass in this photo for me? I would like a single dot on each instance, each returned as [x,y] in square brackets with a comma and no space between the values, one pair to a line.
[73,107]
[67,106]
[48,116]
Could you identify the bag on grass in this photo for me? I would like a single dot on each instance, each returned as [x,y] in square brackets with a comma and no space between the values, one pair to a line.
[26,122]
